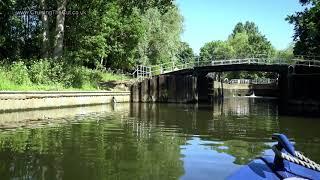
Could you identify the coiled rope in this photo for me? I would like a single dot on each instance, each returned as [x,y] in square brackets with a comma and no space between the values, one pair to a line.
[298,159]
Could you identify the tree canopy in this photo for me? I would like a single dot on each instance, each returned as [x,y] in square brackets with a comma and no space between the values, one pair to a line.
[117,33]
[307,29]
[245,41]
[186,54]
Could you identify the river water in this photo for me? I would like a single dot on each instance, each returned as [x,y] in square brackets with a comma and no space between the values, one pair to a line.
[147,141]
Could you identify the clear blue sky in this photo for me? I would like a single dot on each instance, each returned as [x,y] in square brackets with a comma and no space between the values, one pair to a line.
[207,20]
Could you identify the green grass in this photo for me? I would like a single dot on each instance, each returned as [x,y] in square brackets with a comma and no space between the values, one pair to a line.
[7,84]
[114,77]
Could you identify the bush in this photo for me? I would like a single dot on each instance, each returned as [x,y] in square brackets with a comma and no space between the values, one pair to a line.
[95,78]
[50,74]
[60,73]
[80,77]
[5,82]
[19,73]
[84,77]
[40,72]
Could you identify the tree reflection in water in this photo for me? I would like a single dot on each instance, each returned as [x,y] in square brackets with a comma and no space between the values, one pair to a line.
[153,141]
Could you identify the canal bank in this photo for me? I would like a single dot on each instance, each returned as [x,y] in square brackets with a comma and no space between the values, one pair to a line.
[18,100]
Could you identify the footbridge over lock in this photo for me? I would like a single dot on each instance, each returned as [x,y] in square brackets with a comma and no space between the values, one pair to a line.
[189,82]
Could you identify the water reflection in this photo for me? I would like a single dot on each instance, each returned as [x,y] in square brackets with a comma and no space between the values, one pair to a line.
[151,141]
[202,162]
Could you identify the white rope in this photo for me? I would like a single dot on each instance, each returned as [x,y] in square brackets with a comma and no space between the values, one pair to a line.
[299,159]
[304,158]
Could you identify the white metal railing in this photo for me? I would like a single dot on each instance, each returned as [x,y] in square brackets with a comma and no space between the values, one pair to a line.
[148,71]
[142,72]
[253,81]
[309,63]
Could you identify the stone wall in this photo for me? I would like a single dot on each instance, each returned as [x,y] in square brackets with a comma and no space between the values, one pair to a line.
[39,117]
[12,101]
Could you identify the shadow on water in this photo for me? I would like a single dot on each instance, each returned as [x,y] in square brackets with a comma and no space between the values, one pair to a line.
[149,141]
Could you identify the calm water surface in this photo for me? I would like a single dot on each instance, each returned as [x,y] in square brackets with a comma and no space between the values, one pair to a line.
[150,141]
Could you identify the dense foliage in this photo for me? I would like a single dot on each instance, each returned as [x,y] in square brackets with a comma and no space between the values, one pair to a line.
[121,34]
[52,75]
[245,41]
[186,54]
[307,29]
[114,34]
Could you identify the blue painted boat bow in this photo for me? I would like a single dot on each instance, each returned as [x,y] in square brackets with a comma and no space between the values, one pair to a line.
[279,164]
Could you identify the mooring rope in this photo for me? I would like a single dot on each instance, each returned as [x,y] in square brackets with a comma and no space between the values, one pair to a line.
[298,159]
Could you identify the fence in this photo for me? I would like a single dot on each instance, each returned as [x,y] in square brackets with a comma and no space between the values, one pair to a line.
[253,81]
[142,71]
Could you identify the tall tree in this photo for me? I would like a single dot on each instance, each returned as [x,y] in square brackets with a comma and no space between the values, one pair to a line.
[257,43]
[160,42]
[245,41]
[307,29]
[58,42]
[7,41]
[162,5]
[240,43]
[113,33]
[45,30]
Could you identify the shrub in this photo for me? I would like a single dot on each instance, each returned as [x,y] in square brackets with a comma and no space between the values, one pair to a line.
[84,77]
[5,82]
[40,72]
[80,77]
[19,73]
[59,73]
[50,74]
[95,78]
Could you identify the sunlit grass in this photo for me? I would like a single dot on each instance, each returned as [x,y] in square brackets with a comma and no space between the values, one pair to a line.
[6,84]
[114,77]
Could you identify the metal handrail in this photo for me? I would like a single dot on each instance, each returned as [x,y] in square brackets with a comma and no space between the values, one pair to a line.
[149,71]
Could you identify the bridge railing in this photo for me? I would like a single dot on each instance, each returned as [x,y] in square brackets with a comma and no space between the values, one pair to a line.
[315,63]
[253,81]
[142,72]
[149,71]
[266,61]
[169,67]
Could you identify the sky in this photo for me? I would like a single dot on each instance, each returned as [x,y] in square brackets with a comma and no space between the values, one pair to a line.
[208,20]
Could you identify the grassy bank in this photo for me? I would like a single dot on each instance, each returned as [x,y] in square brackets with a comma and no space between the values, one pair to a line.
[46,75]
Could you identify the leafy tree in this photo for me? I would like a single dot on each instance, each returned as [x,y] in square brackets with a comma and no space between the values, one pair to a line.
[248,27]
[256,43]
[160,42]
[123,38]
[18,32]
[101,36]
[307,28]
[185,54]
[245,41]
[286,54]
[115,33]
[144,5]
[216,50]
[240,44]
